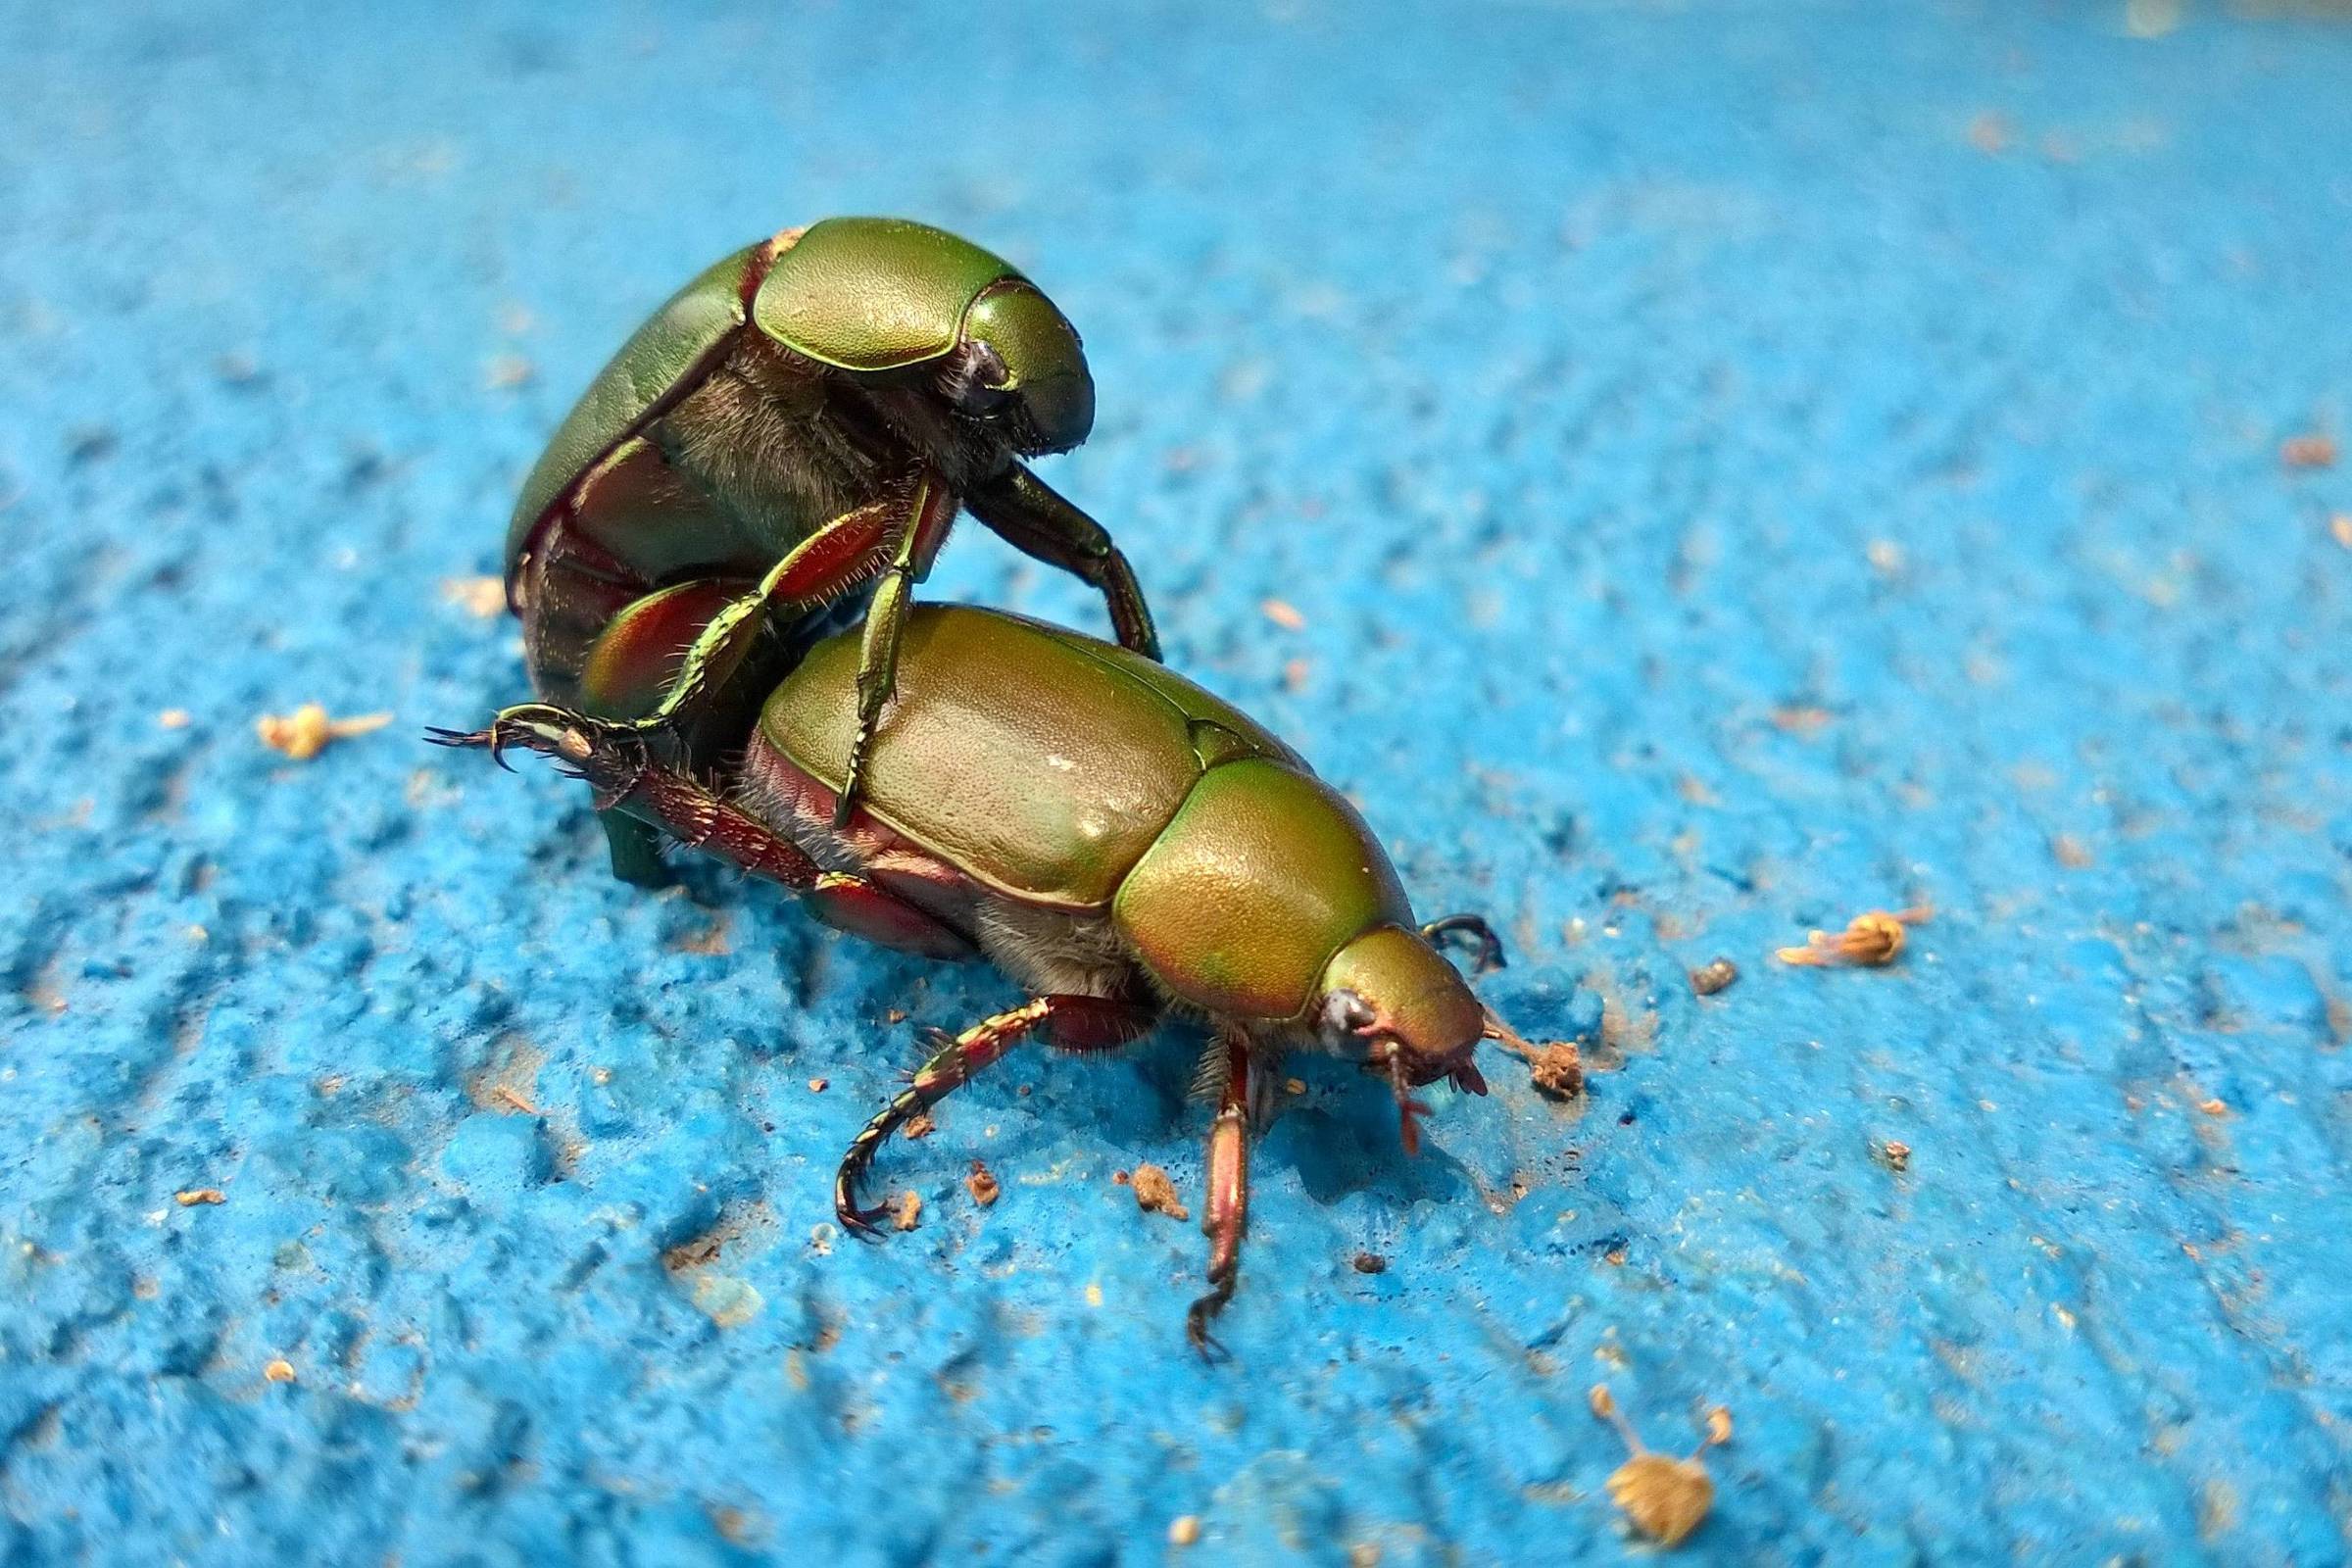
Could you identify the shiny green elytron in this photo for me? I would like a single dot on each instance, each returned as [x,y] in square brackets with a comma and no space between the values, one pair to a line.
[801,422]
[1118,841]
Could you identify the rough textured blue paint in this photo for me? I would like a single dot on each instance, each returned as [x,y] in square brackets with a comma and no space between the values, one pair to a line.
[1738,465]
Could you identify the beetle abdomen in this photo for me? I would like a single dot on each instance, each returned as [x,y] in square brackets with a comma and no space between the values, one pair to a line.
[659,362]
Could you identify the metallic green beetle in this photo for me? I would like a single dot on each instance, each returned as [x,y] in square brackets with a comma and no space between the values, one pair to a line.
[1115,839]
[806,416]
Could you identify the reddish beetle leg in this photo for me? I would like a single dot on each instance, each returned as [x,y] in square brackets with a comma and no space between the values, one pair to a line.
[1225,1217]
[1069,1022]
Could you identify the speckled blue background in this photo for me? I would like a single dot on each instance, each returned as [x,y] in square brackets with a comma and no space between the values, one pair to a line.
[1737,464]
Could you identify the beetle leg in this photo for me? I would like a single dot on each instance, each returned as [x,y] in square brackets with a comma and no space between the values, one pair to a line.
[1225,1217]
[1027,514]
[1489,946]
[1070,1022]
[632,787]
[826,564]
[933,514]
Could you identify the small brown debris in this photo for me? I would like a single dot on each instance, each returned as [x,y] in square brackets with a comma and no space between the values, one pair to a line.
[1294,1086]
[1664,1497]
[711,942]
[817,1086]
[1988,134]
[507,370]
[1370,1263]
[911,1208]
[2340,525]
[280,1370]
[509,1095]
[738,1526]
[1870,940]
[1896,1154]
[193,1195]
[2070,852]
[1557,1071]
[2214,1107]
[918,1125]
[1119,1178]
[479,597]
[177,718]
[2311,451]
[1363,1555]
[1715,975]
[982,1183]
[307,732]
[1800,719]
[692,1253]
[1183,1530]
[1295,673]
[1155,1194]
[1283,614]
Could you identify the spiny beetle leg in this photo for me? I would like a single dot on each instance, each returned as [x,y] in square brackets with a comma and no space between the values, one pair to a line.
[826,564]
[1069,1022]
[612,758]
[1489,944]
[1225,1217]
[853,905]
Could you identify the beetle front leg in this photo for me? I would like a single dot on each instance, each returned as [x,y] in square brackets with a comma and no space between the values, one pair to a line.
[1028,515]
[886,625]
[1225,1217]
[1069,1022]
[1475,927]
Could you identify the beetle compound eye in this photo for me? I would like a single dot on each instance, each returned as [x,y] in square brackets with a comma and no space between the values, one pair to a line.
[1346,1013]
[975,379]
[988,367]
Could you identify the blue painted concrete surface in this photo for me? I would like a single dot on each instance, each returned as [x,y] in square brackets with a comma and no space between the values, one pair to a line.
[1735,464]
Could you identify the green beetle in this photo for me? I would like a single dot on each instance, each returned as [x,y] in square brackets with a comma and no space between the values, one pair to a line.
[806,416]
[1116,840]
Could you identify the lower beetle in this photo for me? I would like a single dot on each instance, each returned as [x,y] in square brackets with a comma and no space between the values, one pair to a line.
[1118,841]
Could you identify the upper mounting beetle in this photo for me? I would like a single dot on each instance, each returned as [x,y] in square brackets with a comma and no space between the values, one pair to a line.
[806,415]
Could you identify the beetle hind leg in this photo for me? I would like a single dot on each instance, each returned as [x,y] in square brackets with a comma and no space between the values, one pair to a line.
[1069,1022]
[638,793]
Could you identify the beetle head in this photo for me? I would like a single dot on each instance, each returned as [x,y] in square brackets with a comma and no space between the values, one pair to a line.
[1391,1001]
[1020,369]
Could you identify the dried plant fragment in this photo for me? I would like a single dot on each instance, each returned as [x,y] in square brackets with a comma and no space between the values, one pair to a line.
[1664,1497]
[307,732]
[1870,940]
[1155,1194]
[982,1183]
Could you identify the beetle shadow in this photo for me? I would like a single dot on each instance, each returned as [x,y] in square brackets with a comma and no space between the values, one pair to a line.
[1345,1141]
